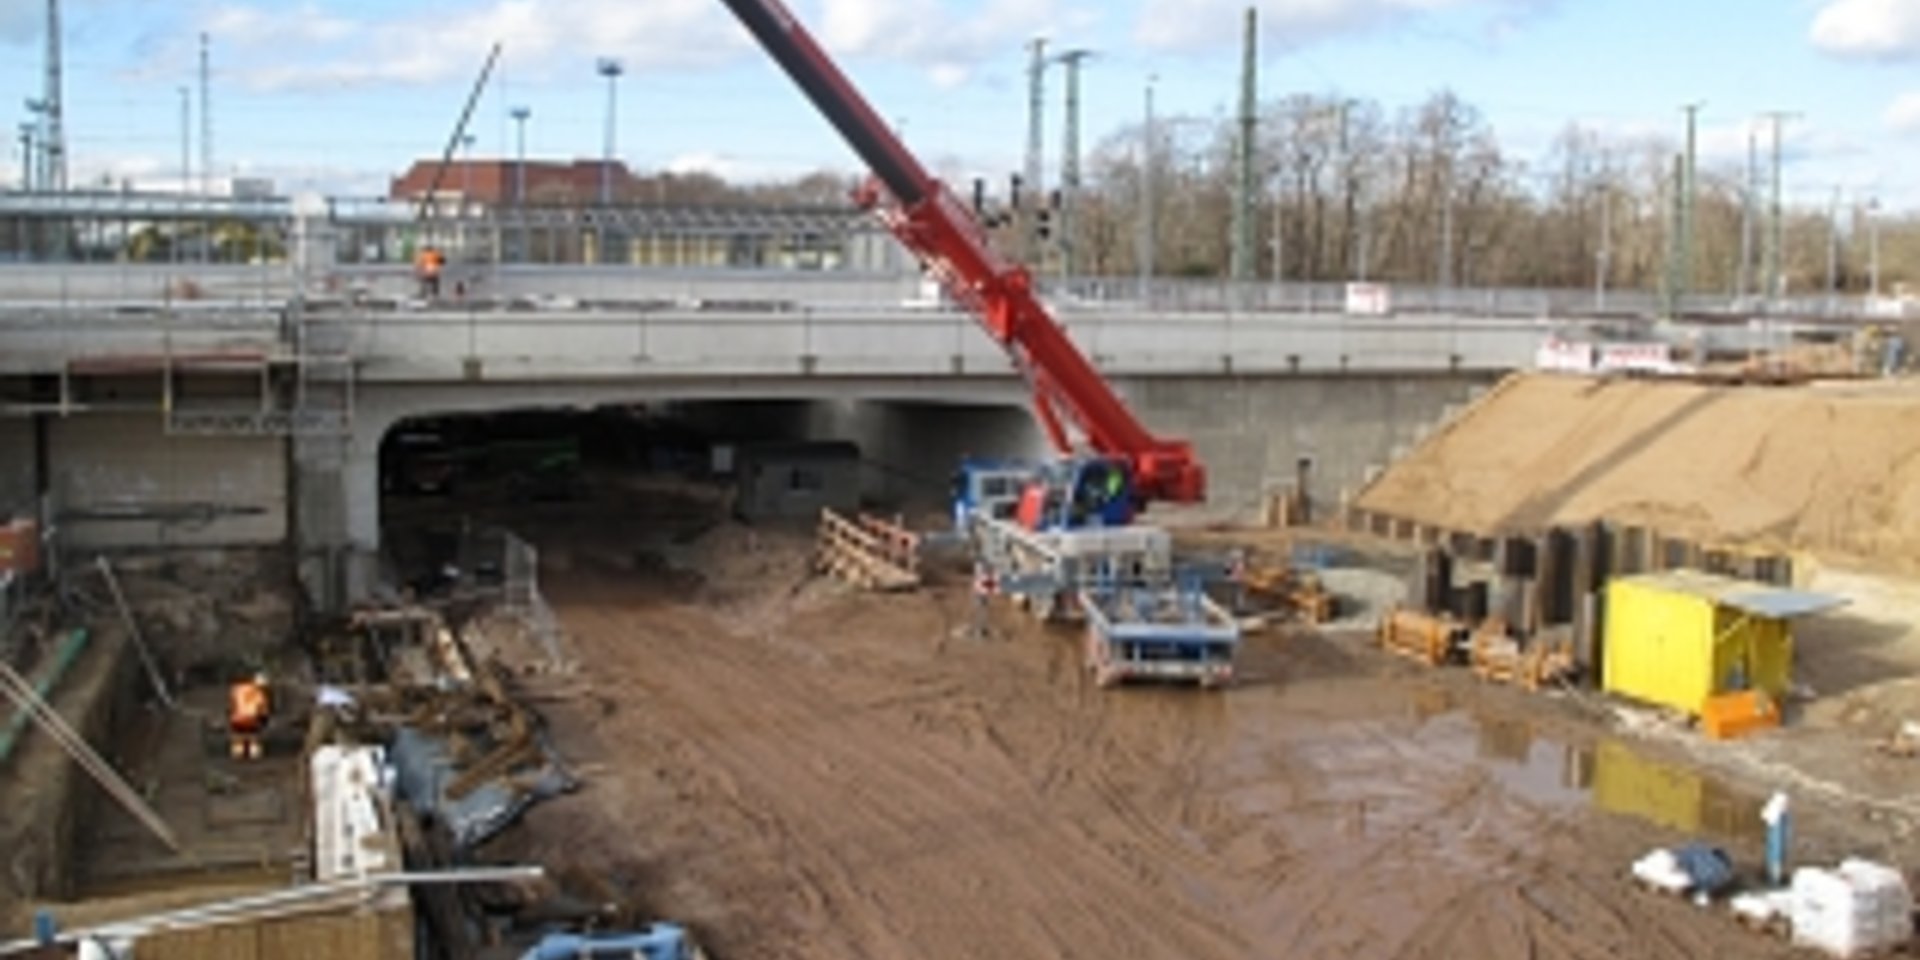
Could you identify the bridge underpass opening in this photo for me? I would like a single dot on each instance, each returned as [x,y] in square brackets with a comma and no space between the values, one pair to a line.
[627,484]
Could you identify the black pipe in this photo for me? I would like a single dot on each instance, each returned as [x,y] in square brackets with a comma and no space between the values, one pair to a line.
[795,50]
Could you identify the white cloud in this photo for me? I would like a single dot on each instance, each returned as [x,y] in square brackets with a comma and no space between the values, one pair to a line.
[269,46]
[20,20]
[305,23]
[946,38]
[1903,115]
[1881,29]
[1191,25]
[735,169]
[327,50]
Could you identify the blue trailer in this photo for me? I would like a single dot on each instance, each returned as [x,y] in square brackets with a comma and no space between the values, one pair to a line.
[1164,632]
[662,941]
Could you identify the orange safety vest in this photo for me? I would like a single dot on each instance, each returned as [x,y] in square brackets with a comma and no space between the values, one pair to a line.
[428,262]
[247,706]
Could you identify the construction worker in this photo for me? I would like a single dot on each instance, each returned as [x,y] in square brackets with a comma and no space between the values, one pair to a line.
[426,266]
[985,585]
[249,706]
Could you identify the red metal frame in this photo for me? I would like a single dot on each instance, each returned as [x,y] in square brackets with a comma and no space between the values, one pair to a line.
[932,222]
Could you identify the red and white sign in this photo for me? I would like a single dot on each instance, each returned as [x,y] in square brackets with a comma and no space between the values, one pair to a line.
[1571,356]
[1369,299]
[1636,357]
[1567,355]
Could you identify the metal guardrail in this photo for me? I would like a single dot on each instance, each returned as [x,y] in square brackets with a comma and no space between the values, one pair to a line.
[130,285]
[1227,296]
[117,204]
[495,341]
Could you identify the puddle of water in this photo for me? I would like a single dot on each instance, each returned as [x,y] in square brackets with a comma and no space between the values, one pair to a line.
[1608,774]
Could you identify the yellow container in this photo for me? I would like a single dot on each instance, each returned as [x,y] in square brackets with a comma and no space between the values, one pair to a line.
[1680,638]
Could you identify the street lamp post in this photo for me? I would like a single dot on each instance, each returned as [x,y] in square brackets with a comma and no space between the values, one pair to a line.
[520,115]
[611,69]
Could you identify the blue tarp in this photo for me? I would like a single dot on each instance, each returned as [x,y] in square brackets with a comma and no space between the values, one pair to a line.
[423,767]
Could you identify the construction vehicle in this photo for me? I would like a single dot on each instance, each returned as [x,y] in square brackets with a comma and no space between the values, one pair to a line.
[1069,394]
[1068,547]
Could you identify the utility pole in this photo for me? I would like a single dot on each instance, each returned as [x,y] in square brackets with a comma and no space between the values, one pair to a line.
[1279,225]
[1873,248]
[1070,164]
[1603,260]
[1149,169]
[1776,227]
[1744,276]
[37,109]
[56,140]
[1683,268]
[1036,147]
[1243,194]
[1446,233]
[186,141]
[1833,243]
[1353,254]
[1676,214]
[26,158]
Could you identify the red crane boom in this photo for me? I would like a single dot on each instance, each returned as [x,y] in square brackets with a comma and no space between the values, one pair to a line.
[938,228]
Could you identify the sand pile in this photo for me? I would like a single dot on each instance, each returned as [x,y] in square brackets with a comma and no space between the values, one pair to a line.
[1833,469]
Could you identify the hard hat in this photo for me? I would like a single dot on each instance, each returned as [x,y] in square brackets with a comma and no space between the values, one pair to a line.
[260,678]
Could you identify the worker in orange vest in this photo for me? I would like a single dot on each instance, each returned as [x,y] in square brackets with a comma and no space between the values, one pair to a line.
[426,265]
[249,706]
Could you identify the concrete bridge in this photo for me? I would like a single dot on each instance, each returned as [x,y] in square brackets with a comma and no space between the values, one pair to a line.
[220,404]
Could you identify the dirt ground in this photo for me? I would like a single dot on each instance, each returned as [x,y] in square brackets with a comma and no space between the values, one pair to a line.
[801,771]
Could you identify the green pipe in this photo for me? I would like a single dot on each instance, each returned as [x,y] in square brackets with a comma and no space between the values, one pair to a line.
[43,684]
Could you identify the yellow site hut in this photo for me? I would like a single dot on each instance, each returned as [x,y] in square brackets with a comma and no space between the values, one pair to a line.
[1680,638]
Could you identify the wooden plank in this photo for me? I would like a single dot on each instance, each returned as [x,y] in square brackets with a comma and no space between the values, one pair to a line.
[868,553]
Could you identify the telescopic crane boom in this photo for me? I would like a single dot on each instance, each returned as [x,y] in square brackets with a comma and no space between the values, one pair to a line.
[932,222]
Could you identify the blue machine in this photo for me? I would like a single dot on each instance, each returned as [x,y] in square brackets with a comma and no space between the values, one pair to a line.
[1072,494]
[662,941]
[988,487]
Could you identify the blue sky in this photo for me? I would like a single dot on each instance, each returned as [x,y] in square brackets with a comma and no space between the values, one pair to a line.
[334,95]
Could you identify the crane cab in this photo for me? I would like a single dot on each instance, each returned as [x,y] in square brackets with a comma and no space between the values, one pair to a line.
[1078,494]
[1071,494]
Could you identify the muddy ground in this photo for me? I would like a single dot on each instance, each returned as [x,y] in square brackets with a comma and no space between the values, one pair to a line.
[797,770]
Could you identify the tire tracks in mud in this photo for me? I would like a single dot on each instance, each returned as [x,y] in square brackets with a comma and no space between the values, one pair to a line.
[907,837]
[864,785]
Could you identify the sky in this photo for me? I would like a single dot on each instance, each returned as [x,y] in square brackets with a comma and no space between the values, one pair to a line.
[335,96]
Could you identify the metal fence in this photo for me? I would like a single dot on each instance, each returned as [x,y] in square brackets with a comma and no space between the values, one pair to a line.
[521,598]
[496,562]
[1209,295]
